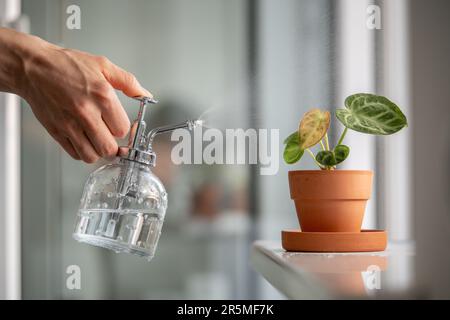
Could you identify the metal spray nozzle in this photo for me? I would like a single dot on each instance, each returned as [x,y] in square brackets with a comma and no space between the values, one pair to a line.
[139,147]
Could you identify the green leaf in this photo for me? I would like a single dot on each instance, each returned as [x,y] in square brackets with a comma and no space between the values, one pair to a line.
[341,153]
[326,158]
[292,138]
[292,151]
[372,114]
[313,127]
[332,158]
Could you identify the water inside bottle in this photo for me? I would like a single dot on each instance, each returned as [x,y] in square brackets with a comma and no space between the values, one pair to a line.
[131,231]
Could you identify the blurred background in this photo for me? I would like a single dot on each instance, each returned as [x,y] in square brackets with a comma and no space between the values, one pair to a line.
[246,64]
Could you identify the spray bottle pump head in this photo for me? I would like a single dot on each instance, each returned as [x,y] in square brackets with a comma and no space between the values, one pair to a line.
[136,149]
[139,147]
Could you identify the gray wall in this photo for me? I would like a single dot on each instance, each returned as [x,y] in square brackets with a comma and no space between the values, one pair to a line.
[430,67]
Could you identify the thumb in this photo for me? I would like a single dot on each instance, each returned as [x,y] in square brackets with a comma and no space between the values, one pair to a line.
[124,81]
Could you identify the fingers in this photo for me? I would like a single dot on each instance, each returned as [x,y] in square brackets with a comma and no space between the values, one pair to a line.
[85,135]
[63,141]
[67,146]
[101,138]
[123,80]
[115,116]
[84,148]
[82,145]
[88,145]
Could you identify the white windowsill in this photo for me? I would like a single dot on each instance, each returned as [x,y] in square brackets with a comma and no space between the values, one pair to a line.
[300,275]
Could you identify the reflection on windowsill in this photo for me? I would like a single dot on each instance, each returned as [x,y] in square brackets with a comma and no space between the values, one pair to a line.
[337,275]
[348,274]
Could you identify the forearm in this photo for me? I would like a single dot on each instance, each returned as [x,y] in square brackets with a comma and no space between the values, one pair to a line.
[16,50]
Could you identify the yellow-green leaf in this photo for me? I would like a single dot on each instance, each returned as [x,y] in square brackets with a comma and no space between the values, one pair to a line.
[312,128]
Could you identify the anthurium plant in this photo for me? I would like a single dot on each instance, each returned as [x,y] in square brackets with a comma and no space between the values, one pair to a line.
[363,112]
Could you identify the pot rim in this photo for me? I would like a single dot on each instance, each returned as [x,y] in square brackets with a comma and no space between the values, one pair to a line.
[368,172]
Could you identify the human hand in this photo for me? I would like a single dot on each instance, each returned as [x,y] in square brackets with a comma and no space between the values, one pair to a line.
[72,94]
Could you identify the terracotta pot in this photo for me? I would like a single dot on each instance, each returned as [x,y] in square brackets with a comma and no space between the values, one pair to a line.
[330,200]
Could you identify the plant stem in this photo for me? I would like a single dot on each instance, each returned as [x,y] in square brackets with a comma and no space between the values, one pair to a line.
[314,158]
[342,136]
[323,147]
[311,154]
[327,143]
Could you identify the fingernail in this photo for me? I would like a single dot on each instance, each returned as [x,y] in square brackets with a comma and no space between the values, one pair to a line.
[148,93]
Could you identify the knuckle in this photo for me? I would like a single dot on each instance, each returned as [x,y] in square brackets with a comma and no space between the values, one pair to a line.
[110,149]
[68,125]
[101,89]
[106,107]
[107,149]
[81,109]
[122,130]
[103,61]
[131,78]
[102,93]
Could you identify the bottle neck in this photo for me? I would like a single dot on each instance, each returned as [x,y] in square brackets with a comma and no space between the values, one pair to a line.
[143,157]
[140,165]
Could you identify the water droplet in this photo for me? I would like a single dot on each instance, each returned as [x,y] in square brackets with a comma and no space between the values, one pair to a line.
[140,200]
[109,194]
[104,205]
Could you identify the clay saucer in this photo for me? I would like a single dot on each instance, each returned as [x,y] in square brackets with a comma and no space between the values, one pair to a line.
[364,241]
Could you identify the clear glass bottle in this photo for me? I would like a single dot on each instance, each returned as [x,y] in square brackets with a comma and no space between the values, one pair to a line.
[124,203]
[122,219]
